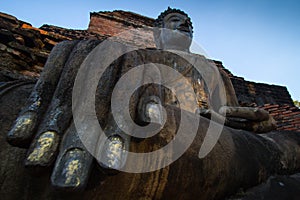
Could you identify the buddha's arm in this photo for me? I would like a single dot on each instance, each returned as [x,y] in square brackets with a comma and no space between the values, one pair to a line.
[246,118]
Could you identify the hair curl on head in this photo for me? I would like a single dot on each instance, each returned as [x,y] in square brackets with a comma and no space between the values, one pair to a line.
[159,20]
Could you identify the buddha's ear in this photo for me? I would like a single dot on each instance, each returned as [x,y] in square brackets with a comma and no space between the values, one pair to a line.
[157,37]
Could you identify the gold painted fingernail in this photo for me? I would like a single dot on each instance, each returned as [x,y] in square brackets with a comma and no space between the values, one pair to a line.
[71,170]
[24,126]
[45,148]
[70,173]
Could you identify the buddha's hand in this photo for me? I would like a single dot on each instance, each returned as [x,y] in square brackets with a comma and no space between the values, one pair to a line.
[45,124]
[29,119]
[246,118]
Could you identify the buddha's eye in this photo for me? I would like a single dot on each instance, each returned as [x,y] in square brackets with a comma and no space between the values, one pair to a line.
[174,19]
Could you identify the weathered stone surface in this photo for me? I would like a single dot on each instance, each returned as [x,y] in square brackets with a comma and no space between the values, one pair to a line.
[8,21]
[24,49]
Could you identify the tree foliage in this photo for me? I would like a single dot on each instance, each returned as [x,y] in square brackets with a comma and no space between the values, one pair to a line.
[297,103]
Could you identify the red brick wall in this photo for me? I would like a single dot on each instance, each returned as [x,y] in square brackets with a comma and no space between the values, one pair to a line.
[130,28]
[286,116]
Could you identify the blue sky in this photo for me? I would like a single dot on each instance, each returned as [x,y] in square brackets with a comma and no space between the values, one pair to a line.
[258,40]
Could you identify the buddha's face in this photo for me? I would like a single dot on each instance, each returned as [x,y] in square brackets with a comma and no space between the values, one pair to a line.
[178,22]
[176,34]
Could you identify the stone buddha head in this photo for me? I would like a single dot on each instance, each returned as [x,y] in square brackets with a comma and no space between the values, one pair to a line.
[173,30]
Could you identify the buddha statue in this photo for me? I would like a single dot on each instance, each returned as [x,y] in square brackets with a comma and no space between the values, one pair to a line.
[174,31]
[45,124]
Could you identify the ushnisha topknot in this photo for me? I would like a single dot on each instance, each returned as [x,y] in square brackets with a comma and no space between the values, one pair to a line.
[159,20]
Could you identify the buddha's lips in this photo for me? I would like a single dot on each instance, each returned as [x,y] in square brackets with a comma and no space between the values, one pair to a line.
[184,29]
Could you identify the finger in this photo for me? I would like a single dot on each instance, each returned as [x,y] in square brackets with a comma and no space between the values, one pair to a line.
[264,126]
[73,164]
[113,146]
[23,129]
[254,114]
[25,125]
[253,126]
[150,106]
